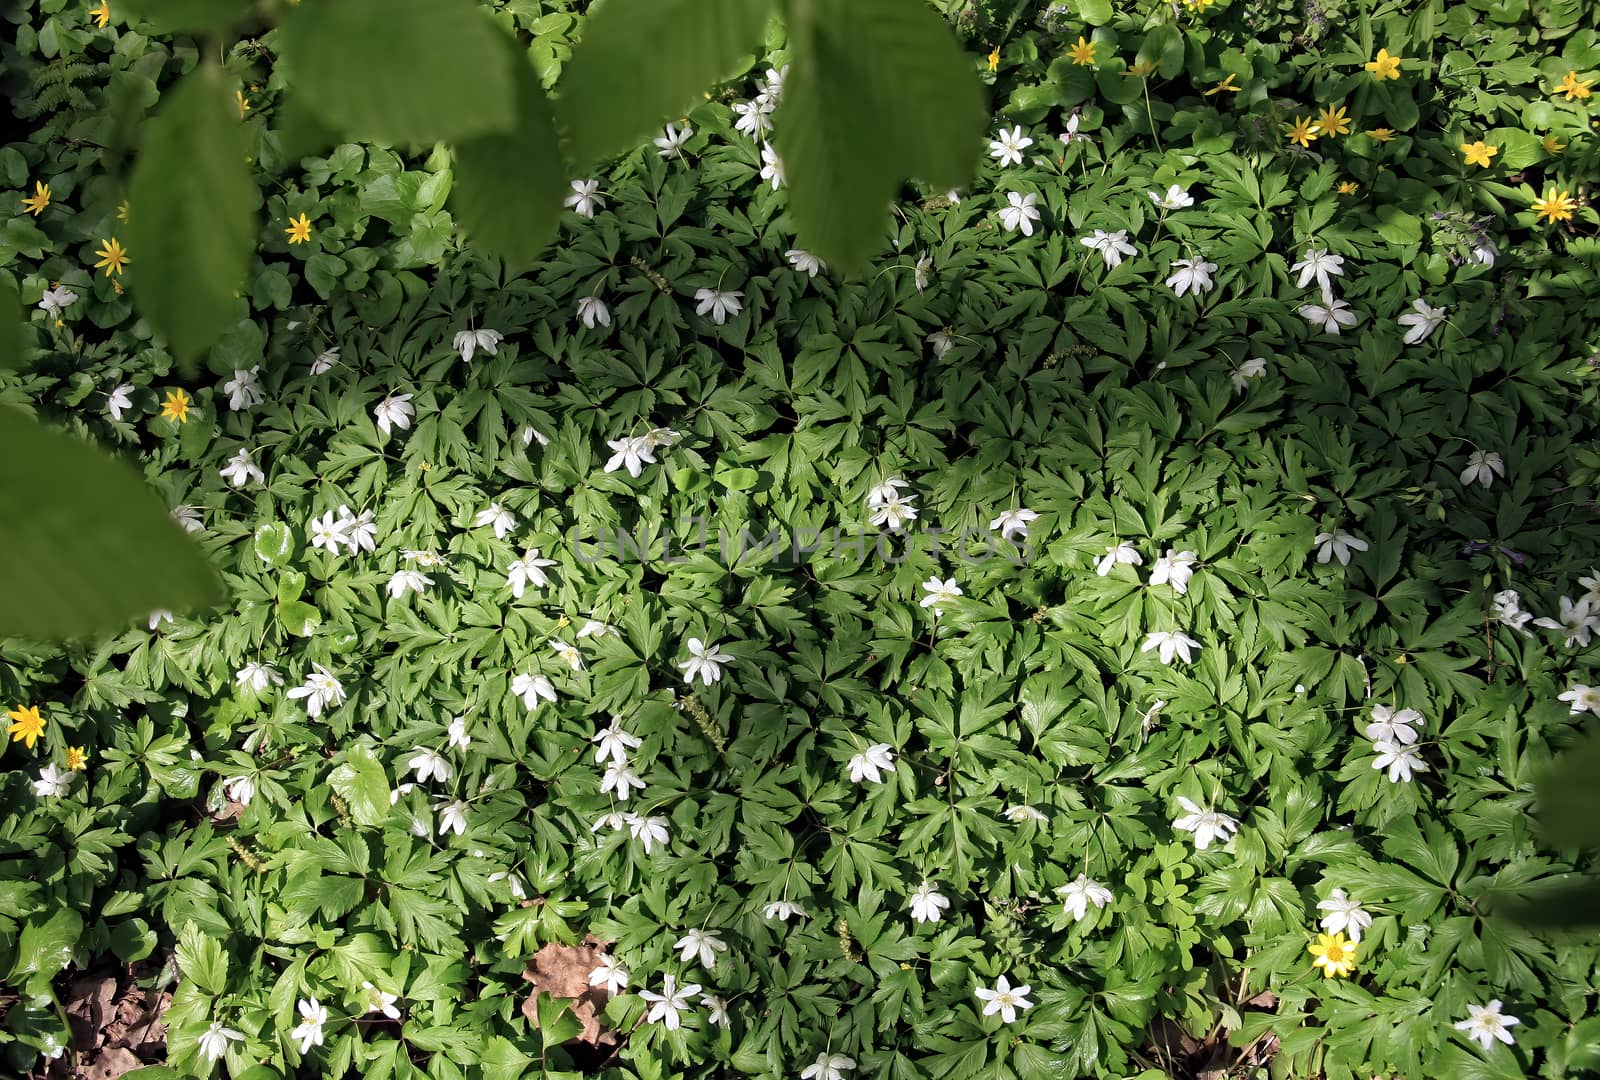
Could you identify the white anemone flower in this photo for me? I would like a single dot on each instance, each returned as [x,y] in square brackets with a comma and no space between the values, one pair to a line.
[1169,645]
[1422,321]
[1021,213]
[585,198]
[720,304]
[1192,275]
[1207,825]
[1483,466]
[1007,146]
[705,661]
[871,764]
[1112,246]
[469,342]
[1331,316]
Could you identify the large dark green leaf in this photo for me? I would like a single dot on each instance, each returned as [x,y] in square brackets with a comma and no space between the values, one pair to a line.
[508,187]
[1569,798]
[191,218]
[10,327]
[401,71]
[642,62]
[88,547]
[878,91]
[170,15]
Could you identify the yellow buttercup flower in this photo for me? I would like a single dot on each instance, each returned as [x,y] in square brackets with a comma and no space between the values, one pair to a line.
[1082,53]
[299,229]
[122,210]
[1333,121]
[1552,145]
[113,256]
[994,59]
[1479,153]
[176,407]
[1227,86]
[1348,187]
[1382,135]
[1384,66]
[1142,69]
[1302,131]
[40,198]
[243,102]
[77,758]
[102,14]
[1334,955]
[1571,87]
[26,725]
[1555,206]
[1198,6]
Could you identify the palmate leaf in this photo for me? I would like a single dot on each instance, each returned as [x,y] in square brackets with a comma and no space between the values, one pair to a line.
[878,91]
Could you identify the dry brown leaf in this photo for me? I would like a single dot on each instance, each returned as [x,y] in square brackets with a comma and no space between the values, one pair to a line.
[562,971]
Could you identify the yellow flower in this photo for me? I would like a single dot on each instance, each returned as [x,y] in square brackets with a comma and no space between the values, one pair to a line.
[1141,69]
[1555,206]
[1333,121]
[113,256]
[40,198]
[1382,135]
[1553,145]
[1082,53]
[1302,131]
[1348,187]
[1571,87]
[77,758]
[1334,955]
[1225,86]
[102,14]
[994,59]
[1198,6]
[299,229]
[1384,66]
[122,210]
[243,102]
[1478,153]
[176,407]
[26,725]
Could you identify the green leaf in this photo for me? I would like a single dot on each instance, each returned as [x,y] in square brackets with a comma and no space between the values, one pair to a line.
[133,940]
[10,327]
[1569,799]
[1572,903]
[501,1060]
[642,62]
[508,188]
[361,782]
[274,543]
[299,618]
[400,71]
[88,547]
[168,16]
[878,91]
[46,945]
[1094,12]
[200,958]
[1399,227]
[190,214]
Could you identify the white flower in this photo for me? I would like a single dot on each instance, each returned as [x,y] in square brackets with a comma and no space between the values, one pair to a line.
[1338,544]
[699,943]
[828,1067]
[1072,134]
[1079,893]
[593,311]
[716,1009]
[620,777]
[531,434]
[720,304]
[1331,316]
[1174,198]
[1506,607]
[244,389]
[54,300]
[429,764]
[633,452]
[1175,568]
[670,143]
[53,782]
[615,820]
[468,342]
[452,816]
[865,767]
[1013,523]
[242,469]
[1401,761]
[1484,252]
[1009,145]
[613,743]
[782,910]
[256,677]
[1582,698]
[611,975]
[805,262]
[1022,212]
[157,617]
[941,342]
[214,1041]
[1004,999]
[1120,552]
[456,734]
[401,790]
[1423,321]
[770,89]
[500,518]
[405,581]
[1169,644]
[1192,275]
[381,1001]
[241,789]
[894,512]
[328,534]
[320,690]
[1486,1023]
[361,533]
[585,198]
[1482,467]
[596,628]
[1207,825]
[52,1048]
[325,362]
[1318,264]
[429,559]
[650,831]
[705,660]
[661,438]
[665,1006]
[1577,621]
[313,1014]
[119,400]
[568,653]
[528,570]
[1019,814]
[1344,915]
[1111,246]
[530,688]
[394,411]
[879,494]
[928,904]
[755,117]
[923,272]
[1253,368]
[1390,726]
[189,518]
[771,166]
[940,592]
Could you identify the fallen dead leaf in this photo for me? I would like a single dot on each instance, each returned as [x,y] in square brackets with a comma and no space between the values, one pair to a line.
[562,971]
